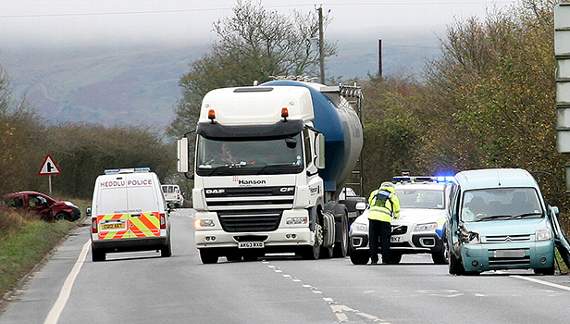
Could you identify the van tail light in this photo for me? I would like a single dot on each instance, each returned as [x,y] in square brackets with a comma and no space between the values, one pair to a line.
[94,225]
[162,221]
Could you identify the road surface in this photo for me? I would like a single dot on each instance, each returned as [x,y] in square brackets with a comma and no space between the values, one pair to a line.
[144,288]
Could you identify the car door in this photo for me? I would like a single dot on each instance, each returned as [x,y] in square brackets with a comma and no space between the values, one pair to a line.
[39,205]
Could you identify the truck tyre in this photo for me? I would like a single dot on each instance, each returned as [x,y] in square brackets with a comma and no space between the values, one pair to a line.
[455,266]
[166,250]
[359,257]
[208,256]
[328,236]
[440,257]
[314,252]
[394,258]
[97,255]
[341,247]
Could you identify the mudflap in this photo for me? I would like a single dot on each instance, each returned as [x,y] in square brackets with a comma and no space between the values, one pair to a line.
[562,244]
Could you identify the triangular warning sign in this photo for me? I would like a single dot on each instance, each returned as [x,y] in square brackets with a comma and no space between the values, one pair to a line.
[49,167]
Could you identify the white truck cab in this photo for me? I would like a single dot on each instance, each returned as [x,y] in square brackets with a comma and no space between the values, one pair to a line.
[129,213]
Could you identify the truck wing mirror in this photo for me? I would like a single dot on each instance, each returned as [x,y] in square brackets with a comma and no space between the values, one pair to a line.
[182,151]
[320,151]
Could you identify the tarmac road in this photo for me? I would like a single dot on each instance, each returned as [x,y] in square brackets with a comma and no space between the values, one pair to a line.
[142,287]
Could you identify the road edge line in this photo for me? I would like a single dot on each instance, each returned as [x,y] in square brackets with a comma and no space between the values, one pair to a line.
[57,308]
[542,282]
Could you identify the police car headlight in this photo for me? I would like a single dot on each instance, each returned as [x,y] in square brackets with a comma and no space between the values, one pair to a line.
[543,234]
[360,227]
[297,220]
[203,223]
[428,227]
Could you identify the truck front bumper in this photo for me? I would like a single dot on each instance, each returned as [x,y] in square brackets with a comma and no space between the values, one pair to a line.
[281,239]
[482,257]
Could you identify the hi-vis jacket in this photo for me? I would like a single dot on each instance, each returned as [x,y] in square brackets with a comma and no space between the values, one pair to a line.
[390,210]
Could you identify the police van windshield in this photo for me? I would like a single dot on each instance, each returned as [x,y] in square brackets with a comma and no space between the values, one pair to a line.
[249,157]
[421,198]
[500,204]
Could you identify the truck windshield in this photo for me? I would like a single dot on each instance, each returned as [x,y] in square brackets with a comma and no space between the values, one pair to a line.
[500,204]
[249,157]
[420,198]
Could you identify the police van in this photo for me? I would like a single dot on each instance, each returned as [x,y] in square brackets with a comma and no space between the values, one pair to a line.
[129,213]
[424,203]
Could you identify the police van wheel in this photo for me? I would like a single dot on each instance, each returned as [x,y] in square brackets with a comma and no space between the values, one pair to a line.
[97,255]
[455,266]
[208,257]
[166,250]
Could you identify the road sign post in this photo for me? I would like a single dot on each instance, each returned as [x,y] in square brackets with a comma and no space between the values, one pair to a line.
[49,168]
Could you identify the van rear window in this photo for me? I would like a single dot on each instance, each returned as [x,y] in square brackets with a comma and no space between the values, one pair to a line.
[130,197]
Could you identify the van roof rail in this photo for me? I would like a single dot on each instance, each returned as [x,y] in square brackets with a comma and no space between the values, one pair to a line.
[127,170]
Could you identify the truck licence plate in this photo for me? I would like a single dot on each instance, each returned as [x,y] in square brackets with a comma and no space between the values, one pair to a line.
[251,245]
[395,239]
[509,253]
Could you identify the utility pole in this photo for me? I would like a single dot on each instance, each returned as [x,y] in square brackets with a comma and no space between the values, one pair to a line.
[380,58]
[321,44]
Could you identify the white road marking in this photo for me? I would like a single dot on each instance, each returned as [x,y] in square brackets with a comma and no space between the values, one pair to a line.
[317,292]
[296,280]
[286,276]
[59,305]
[306,286]
[278,271]
[328,300]
[542,282]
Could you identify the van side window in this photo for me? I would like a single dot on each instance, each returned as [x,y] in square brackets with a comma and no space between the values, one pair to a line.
[307,140]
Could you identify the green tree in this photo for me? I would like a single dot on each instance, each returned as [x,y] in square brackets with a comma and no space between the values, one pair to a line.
[252,44]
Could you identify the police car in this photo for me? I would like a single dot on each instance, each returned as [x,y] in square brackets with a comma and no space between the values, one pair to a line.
[129,213]
[424,205]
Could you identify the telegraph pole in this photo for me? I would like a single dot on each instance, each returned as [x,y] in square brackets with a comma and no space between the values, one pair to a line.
[321,44]
[380,58]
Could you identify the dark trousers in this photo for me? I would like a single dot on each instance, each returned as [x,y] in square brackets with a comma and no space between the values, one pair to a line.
[379,233]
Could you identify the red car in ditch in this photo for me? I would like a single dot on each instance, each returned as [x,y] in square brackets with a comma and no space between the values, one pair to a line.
[45,206]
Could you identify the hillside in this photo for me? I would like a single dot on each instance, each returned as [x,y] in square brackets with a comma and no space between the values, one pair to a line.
[138,84]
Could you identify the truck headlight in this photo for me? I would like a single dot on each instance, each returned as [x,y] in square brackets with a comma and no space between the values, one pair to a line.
[297,220]
[543,234]
[203,223]
[360,227]
[428,227]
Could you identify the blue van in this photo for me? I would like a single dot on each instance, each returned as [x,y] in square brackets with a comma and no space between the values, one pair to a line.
[498,220]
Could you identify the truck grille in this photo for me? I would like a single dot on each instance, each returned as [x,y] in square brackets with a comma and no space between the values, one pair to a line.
[256,197]
[250,220]
[399,230]
[507,238]
[494,261]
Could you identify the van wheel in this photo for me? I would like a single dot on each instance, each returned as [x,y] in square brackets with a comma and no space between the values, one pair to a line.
[97,255]
[208,257]
[545,272]
[455,266]
[166,250]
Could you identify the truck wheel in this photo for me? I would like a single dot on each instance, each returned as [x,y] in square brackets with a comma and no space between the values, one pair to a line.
[341,248]
[208,256]
[394,258]
[440,257]
[97,255]
[314,252]
[359,257]
[455,266]
[166,250]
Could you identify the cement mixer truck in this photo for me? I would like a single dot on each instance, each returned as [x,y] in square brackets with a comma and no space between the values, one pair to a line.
[268,162]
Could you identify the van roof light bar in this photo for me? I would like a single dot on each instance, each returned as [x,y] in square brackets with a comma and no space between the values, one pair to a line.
[127,170]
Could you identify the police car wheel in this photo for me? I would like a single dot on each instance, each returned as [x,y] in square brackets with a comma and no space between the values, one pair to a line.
[359,257]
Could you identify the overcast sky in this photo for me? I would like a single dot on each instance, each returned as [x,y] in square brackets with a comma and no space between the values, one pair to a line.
[62,21]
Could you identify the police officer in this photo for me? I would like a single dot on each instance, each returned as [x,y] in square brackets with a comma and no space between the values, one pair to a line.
[384,206]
